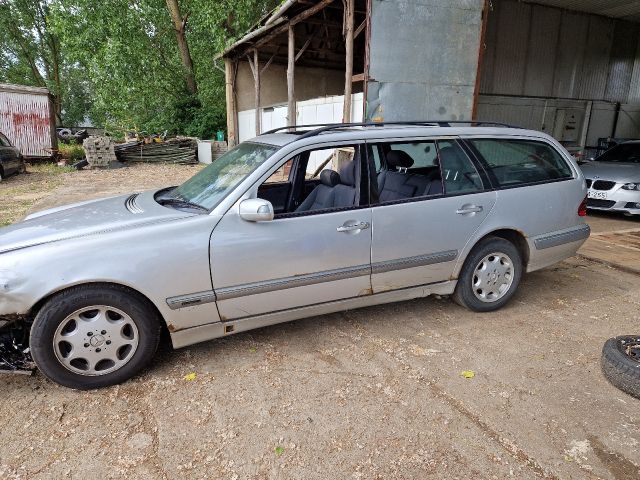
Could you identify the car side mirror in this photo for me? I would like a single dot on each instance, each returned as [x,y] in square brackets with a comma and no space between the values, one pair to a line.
[256,210]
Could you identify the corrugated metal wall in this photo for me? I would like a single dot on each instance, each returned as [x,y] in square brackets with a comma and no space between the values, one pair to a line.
[423,59]
[26,120]
[534,50]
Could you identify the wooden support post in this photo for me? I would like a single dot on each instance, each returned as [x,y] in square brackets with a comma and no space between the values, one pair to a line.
[348,39]
[255,69]
[230,67]
[291,65]
[256,62]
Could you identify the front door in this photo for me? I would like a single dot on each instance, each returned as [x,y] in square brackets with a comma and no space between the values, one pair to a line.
[300,258]
[421,226]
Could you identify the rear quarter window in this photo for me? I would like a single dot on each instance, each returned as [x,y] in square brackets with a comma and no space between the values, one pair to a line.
[519,162]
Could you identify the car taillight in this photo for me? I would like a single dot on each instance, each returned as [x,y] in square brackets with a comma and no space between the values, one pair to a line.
[582,209]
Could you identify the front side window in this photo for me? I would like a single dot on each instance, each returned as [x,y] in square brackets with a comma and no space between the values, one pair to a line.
[317,181]
[518,162]
[4,142]
[211,185]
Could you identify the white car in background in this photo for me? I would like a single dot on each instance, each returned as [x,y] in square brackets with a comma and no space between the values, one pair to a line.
[613,179]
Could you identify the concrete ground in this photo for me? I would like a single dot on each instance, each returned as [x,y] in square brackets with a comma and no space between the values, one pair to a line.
[372,393]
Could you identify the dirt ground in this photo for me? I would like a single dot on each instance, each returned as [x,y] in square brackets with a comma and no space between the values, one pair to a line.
[372,393]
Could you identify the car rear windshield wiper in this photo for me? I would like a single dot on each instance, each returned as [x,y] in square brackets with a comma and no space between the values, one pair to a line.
[178,202]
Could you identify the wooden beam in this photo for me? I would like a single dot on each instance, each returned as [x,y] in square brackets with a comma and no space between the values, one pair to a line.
[255,69]
[358,78]
[291,65]
[297,19]
[230,67]
[266,65]
[348,74]
[360,29]
[304,47]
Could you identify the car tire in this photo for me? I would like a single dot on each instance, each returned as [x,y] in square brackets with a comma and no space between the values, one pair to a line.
[94,336]
[490,275]
[620,363]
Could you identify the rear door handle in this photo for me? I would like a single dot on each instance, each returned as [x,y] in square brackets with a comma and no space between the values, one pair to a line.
[351,226]
[466,209]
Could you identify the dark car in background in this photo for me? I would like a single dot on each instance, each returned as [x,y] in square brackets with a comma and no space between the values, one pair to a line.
[11,161]
[613,179]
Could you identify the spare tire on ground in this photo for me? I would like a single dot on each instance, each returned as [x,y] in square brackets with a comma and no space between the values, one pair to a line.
[621,363]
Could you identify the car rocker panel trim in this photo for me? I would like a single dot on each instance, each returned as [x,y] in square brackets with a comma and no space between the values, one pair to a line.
[557,239]
[267,286]
[191,299]
[417,261]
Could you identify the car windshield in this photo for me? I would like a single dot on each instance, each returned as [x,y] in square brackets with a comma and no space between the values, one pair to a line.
[212,184]
[625,152]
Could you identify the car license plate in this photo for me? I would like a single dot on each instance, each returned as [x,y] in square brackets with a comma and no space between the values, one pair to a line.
[596,194]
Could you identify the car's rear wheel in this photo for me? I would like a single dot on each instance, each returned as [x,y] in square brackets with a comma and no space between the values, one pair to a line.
[490,276]
[94,336]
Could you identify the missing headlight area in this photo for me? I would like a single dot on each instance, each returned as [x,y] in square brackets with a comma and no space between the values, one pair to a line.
[15,355]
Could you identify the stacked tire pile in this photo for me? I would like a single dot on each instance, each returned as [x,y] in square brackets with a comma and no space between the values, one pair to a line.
[621,363]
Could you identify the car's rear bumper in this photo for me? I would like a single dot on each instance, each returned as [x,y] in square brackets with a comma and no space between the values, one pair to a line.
[553,247]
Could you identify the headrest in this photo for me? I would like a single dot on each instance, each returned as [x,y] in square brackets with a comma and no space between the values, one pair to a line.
[348,174]
[399,159]
[329,178]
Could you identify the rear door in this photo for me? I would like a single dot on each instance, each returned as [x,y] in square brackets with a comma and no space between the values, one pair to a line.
[417,240]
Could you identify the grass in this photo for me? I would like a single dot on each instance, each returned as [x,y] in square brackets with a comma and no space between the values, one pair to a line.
[50,168]
[71,152]
[19,193]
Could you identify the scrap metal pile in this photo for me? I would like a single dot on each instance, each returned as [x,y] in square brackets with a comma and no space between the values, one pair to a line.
[15,355]
[178,150]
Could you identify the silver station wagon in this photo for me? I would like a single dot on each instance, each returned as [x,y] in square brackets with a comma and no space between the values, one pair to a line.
[294,223]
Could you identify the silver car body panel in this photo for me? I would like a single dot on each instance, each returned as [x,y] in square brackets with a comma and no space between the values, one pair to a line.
[214,275]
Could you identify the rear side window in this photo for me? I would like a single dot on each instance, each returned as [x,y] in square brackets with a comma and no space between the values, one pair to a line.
[518,162]
[424,154]
[4,142]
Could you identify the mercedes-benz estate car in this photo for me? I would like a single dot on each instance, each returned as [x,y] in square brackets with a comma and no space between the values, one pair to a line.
[613,179]
[294,223]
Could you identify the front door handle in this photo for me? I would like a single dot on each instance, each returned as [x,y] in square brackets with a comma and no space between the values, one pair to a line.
[466,209]
[351,226]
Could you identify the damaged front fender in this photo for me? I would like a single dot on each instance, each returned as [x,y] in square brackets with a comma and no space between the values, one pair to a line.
[15,355]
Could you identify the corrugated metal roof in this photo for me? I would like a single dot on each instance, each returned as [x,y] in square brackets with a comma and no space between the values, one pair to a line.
[625,9]
[9,87]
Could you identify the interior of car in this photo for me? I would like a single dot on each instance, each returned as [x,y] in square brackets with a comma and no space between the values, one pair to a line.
[332,178]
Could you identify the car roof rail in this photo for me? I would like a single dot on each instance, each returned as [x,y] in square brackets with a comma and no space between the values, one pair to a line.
[319,128]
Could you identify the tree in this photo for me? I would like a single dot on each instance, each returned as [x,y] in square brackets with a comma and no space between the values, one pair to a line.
[179,25]
[145,64]
[31,50]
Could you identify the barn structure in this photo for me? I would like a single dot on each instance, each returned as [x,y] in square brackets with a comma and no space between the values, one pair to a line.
[567,67]
[27,119]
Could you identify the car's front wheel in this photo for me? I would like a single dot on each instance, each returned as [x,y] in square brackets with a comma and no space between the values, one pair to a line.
[490,276]
[94,336]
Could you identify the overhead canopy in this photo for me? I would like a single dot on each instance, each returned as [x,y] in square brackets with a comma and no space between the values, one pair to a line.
[318,30]
[623,9]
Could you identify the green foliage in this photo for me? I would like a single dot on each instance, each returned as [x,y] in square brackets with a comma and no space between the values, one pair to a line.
[119,62]
[71,152]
